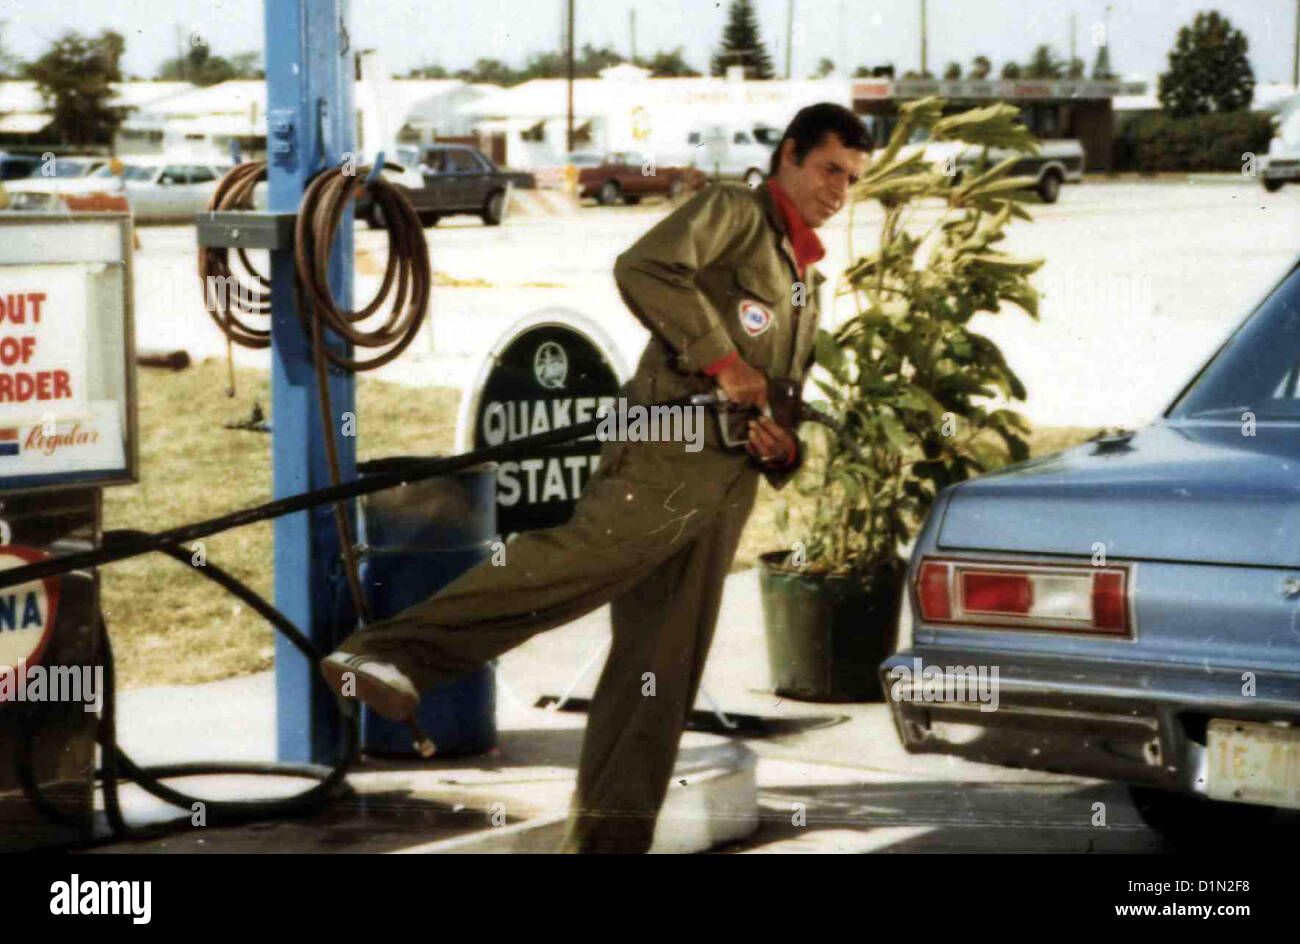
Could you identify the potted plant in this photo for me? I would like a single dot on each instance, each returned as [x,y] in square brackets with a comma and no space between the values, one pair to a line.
[918,393]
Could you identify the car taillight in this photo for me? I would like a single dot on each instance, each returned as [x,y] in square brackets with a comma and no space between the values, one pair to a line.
[997,593]
[932,592]
[1063,597]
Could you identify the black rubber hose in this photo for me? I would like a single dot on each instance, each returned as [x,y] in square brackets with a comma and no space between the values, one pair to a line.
[416,471]
[118,766]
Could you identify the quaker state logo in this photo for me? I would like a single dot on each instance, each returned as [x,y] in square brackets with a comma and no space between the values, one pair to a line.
[550,365]
[754,318]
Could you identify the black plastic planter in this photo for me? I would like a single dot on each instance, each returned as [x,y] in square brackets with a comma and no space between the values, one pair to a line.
[826,636]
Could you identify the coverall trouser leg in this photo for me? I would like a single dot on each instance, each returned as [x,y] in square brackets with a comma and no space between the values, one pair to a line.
[656,536]
[663,628]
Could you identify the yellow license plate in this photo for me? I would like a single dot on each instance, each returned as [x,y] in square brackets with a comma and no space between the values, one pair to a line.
[1254,763]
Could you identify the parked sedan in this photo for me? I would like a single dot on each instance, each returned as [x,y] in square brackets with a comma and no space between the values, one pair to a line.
[43,191]
[156,188]
[456,179]
[627,176]
[1135,601]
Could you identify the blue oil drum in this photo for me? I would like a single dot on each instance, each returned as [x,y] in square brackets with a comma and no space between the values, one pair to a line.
[418,538]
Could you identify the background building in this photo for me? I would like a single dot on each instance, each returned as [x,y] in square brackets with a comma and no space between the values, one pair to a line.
[1051,108]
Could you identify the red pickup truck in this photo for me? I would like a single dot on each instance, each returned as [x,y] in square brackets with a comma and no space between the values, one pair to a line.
[627,176]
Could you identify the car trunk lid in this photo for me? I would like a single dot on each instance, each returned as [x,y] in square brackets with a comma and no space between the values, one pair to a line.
[1176,492]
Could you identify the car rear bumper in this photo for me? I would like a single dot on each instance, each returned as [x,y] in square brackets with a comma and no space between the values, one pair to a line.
[1139,723]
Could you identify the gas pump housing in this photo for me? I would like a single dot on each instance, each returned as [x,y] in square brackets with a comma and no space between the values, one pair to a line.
[68,428]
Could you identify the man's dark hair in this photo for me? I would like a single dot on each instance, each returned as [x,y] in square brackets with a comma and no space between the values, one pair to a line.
[810,126]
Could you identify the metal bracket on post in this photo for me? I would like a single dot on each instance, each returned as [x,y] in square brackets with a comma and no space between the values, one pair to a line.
[282,143]
[246,229]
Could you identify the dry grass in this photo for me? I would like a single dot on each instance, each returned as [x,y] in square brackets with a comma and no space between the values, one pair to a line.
[168,625]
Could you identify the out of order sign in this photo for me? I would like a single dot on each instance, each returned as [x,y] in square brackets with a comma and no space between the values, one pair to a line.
[43,329]
[67,365]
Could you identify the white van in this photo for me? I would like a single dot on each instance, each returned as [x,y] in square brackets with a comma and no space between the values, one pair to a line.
[1282,163]
[740,151]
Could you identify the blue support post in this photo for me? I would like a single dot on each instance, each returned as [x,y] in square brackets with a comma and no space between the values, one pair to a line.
[311,125]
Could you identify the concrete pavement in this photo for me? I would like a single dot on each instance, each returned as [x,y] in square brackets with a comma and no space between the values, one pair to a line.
[835,778]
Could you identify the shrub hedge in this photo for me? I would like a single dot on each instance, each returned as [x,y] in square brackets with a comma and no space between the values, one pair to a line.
[1203,142]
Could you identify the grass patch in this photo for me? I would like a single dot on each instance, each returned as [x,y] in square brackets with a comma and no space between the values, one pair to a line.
[170,626]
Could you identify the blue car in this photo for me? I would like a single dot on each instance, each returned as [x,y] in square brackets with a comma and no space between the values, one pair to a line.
[1129,609]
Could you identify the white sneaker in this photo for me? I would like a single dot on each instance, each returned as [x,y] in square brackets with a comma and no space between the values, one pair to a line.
[380,685]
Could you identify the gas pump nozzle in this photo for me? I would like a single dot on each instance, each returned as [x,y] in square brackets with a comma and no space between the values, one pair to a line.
[785,405]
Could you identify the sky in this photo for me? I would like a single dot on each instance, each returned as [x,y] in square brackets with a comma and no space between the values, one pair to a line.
[454,33]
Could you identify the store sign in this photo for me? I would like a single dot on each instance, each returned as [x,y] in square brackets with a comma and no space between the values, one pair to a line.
[995,89]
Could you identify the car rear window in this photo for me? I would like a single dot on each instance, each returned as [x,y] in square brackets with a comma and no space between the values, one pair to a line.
[464,162]
[1257,370]
[66,168]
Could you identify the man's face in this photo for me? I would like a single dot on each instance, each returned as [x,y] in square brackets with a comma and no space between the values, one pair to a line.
[819,186]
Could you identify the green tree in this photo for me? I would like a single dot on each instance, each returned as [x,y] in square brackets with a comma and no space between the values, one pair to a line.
[74,78]
[10,66]
[1101,65]
[824,68]
[980,68]
[953,72]
[1043,64]
[201,67]
[547,65]
[874,72]
[1076,70]
[430,71]
[1208,69]
[490,71]
[594,58]
[668,64]
[248,65]
[742,45]
[1011,70]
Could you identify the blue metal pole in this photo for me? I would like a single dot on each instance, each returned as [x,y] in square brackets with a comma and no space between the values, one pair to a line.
[311,125]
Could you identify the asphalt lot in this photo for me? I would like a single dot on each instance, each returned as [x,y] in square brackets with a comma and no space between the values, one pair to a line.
[1141,282]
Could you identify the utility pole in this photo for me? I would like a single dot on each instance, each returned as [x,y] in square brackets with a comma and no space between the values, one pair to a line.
[843,56]
[1074,28]
[789,36]
[631,25]
[568,44]
[1295,56]
[924,68]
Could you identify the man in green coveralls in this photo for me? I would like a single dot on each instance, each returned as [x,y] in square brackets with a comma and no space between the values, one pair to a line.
[725,287]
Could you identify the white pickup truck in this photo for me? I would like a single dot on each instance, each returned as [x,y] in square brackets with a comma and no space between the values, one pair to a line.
[1058,161]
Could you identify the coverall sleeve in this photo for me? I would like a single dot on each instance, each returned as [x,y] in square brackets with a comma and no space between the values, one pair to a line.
[656,275]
